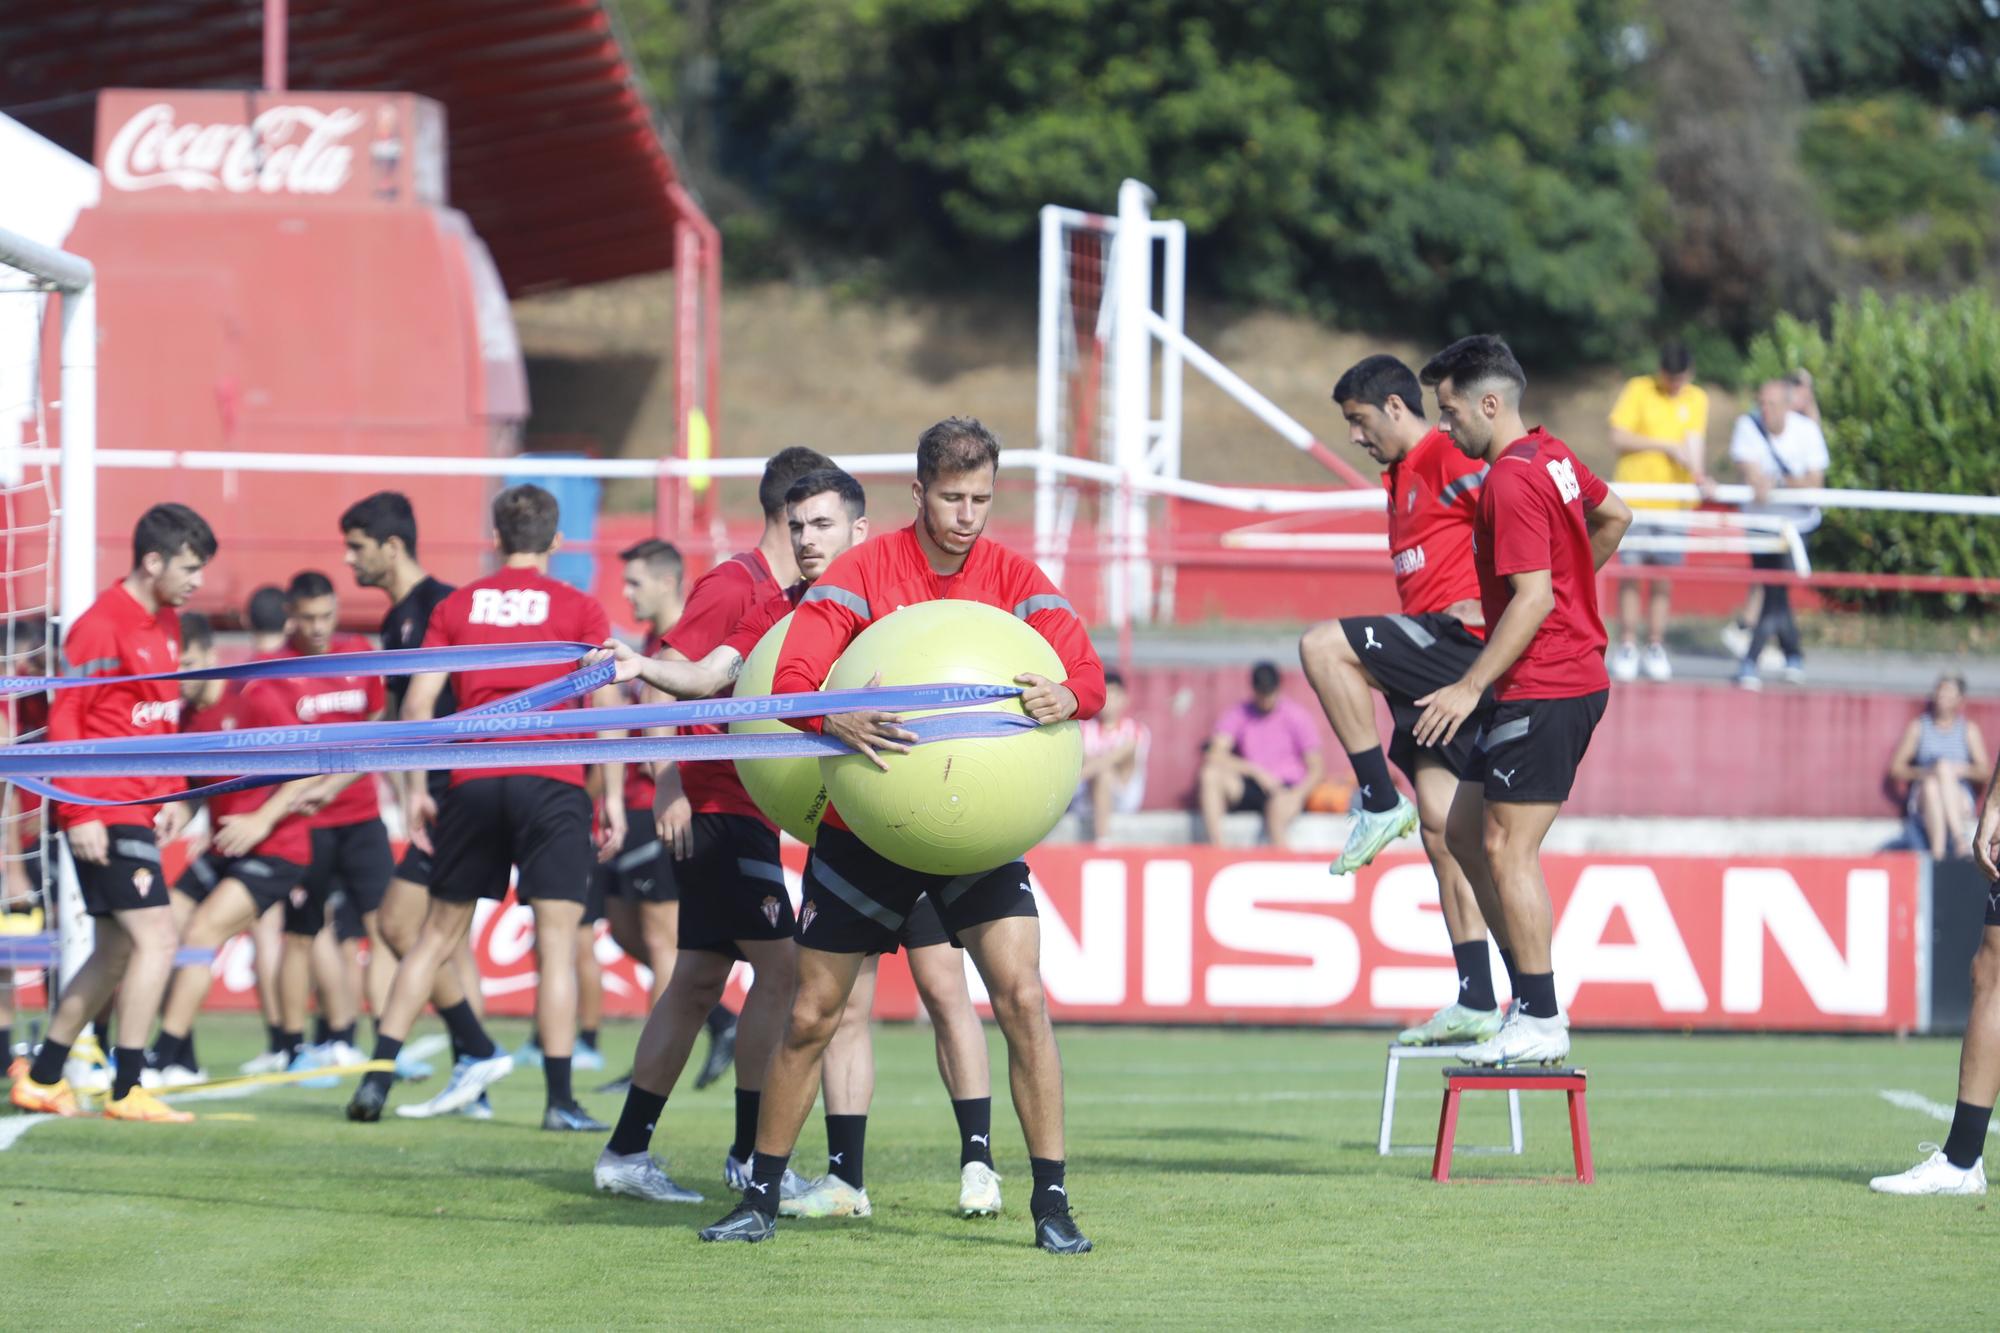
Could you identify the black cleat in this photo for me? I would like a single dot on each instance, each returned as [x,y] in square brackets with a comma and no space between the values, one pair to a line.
[620,1085]
[368,1102]
[721,1054]
[1057,1234]
[745,1223]
[572,1119]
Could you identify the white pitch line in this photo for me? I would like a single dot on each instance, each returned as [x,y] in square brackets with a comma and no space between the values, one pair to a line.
[1916,1101]
[14,1127]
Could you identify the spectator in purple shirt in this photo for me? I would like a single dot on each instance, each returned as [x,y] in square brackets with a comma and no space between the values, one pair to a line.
[1264,755]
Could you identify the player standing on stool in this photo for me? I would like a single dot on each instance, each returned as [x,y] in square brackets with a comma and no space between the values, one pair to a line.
[131,629]
[1959,1167]
[1546,524]
[1433,493]
[855,901]
[491,821]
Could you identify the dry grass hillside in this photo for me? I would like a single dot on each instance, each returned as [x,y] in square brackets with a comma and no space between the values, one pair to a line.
[848,374]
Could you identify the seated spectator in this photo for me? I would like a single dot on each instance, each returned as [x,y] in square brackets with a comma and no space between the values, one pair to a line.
[1777,446]
[1114,759]
[1943,758]
[1264,755]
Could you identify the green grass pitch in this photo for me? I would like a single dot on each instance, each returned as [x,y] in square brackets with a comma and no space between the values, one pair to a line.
[1228,1178]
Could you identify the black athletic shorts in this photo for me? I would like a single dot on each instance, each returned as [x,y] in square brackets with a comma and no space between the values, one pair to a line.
[642,872]
[593,898]
[857,901]
[1410,657]
[414,866]
[1993,904]
[270,879]
[1252,799]
[130,880]
[1529,749]
[347,922]
[537,826]
[732,885]
[351,859]
[925,927]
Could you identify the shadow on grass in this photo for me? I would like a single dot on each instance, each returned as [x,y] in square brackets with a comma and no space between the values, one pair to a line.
[1205,1134]
[1846,1175]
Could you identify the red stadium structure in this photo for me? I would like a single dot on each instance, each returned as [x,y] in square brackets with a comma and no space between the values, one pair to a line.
[291,272]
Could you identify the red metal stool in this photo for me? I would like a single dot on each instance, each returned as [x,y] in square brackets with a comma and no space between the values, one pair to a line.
[1536,1079]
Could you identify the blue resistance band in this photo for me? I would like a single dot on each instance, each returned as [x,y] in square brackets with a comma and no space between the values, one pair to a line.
[373,662]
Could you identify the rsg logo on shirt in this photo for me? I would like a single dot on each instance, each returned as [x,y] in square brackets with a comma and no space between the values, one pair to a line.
[505,608]
[1564,475]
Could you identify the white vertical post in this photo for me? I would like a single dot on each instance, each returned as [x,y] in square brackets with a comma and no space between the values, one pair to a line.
[1132,379]
[1048,401]
[1167,453]
[76,531]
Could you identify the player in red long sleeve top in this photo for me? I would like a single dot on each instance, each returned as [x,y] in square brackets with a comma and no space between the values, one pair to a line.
[1545,526]
[132,629]
[855,901]
[1433,495]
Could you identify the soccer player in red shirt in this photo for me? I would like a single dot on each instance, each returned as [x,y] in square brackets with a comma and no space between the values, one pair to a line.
[855,900]
[1546,524]
[132,629]
[1433,492]
[535,819]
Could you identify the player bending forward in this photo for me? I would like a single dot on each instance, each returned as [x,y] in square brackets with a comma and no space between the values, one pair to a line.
[1544,527]
[1433,493]
[854,900]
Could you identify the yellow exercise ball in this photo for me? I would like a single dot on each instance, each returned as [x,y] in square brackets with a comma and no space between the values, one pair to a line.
[788,791]
[955,807]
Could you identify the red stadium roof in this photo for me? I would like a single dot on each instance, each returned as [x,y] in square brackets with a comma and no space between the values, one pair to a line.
[554,151]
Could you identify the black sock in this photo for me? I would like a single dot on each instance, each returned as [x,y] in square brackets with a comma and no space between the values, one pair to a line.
[745,1141]
[386,1048]
[322,1034]
[1537,993]
[767,1177]
[290,1044]
[719,1019]
[635,1123]
[126,1062]
[846,1135]
[1051,1194]
[588,1036]
[1507,964]
[1966,1143]
[48,1065]
[457,1051]
[1475,975]
[165,1047]
[1378,790]
[468,1037]
[274,1037]
[6,1044]
[343,1035]
[187,1052]
[555,1076]
[975,1129]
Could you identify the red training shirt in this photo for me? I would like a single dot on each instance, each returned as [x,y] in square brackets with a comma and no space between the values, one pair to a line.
[639,784]
[350,698]
[260,703]
[750,631]
[118,637]
[715,606]
[520,605]
[1433,497]
[1531,516]
[889,573]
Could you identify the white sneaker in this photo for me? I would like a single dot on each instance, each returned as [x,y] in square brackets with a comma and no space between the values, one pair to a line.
[1736,638]
[270,1062]
[1655,663]
[978,1190]
[829,1196]
[736,1174]
[180,1076]
[340,1053]
[469,1078]
[639,1175]
[1624,663]
[1934,1175]
[1451,1026]
[1523,1040]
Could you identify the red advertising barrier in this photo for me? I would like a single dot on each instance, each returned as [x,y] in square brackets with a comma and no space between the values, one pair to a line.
[1208,935]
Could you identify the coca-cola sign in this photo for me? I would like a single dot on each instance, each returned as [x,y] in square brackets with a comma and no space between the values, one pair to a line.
[291,148]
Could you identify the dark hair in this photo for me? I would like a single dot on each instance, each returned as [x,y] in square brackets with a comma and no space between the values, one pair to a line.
[821,480]
[786,466]
[1264,677]
[166,530]
[196,632]
[308,584]
[953,447]
[657,555]
[381,516]
[1113,676]
[1675,359]
[525,517]
[1469,362]
[1376,379]
[266,610]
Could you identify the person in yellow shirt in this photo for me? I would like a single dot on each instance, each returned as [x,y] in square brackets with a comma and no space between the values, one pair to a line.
[1659,430]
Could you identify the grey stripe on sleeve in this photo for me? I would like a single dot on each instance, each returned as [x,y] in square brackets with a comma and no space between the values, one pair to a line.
[839,597]
[1471,481]
[1047,601]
